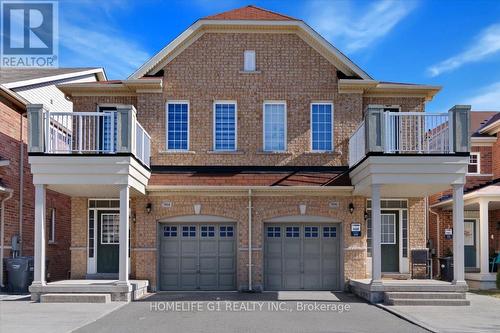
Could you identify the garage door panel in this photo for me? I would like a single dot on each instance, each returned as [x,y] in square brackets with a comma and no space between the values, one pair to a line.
[303,256]
[196,257]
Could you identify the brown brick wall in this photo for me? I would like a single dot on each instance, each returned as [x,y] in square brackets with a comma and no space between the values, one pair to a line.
[144,229]
[13,134]
[290,70]
[496,158]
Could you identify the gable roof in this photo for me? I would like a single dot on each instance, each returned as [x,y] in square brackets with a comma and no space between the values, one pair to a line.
[247,19]
[492,126]
[250,13]
[478,119]
[14,77]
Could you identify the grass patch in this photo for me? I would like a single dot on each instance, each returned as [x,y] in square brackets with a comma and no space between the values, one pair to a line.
[492,293]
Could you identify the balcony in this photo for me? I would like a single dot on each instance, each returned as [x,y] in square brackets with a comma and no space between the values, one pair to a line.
[409,153]
[88,148]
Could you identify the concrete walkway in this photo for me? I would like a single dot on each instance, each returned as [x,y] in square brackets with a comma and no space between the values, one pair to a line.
[19,314]
[483,315]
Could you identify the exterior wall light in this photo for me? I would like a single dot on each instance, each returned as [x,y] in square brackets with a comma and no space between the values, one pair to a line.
[149,207]
[351,208]
[366,215]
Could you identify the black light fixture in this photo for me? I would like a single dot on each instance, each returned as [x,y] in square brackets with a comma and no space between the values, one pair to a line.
[351,208]
[366,215]
[149,207]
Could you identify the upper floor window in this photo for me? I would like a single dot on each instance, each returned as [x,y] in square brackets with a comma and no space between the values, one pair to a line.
[177,125]
[474,164]
[249,61]
[274,126]
[225,126]
[322,126]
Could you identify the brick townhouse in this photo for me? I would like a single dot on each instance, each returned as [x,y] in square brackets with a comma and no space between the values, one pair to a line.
[19,87]
[482,205]
[248,154]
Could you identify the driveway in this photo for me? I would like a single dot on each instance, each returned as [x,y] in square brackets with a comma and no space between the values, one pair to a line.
[237,312]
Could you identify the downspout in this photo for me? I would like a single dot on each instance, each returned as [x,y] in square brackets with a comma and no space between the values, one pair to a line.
[249,240]
[438,227]
[2,231]
[21,189]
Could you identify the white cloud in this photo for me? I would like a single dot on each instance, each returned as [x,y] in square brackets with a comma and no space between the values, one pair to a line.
[354,29]
[486,44]
[103,47]
[488,98]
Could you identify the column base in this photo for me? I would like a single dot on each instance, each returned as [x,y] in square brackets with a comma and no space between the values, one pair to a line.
[38,283]
[459,283]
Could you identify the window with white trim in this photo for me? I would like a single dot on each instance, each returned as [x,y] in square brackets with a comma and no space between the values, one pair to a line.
[177,125]
[274,126]
[225,126]
[322,127]
[110,232]
[388,227]
[474,167]
[249,61]
[52,226]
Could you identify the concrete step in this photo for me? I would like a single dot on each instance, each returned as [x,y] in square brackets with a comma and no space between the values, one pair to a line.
[423,295]
[431,302]
[75,298]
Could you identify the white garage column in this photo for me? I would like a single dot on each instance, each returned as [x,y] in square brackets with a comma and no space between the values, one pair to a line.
[376,238]
[458,234]
[124,235]
[483,236]
[39,274]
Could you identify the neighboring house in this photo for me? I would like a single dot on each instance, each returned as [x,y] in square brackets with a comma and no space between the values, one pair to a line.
[482,205]
[18,88]
[249,153]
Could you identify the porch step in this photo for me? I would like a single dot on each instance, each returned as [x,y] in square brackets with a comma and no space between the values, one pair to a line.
[426,298]
[429,302]
[423,295]
[75,298]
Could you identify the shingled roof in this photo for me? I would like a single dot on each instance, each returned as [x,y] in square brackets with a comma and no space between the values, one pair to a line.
[250,13]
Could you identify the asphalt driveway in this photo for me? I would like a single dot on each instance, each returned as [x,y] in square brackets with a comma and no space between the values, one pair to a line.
[237,312]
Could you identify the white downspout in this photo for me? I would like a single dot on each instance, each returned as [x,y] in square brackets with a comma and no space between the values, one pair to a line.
[438,227]
[21,189]
[2,231]
[249,240]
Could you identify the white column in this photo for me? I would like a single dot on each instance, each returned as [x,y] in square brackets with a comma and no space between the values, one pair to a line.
[483,236]
[124,230]
[39,274]
[458,234]
[376,229]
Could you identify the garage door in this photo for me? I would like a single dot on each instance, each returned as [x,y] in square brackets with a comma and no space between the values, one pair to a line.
[302,257]
[197,257]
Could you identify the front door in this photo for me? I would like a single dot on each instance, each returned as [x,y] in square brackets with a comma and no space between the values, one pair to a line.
[108,243]
[470,243]
[390,242]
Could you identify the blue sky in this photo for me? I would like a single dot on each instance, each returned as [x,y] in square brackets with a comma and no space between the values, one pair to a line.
[455,44]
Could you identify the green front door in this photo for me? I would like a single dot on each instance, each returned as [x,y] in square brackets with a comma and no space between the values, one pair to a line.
[108,242]
[390,241]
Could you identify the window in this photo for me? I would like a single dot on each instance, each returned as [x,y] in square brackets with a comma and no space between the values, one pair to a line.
[388,226]
[311,232]
[177,125]
[207,231]
[273,232]
[329,232]
[91,234]
[274,126]
[474,164]
[110,228]
[52,226]
[226,231]
[188,231]
[249,61]
[322,126]
[170,231]
[225,123]
[292,232]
